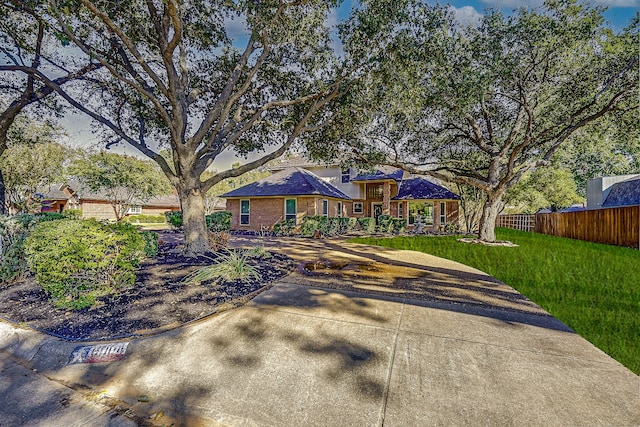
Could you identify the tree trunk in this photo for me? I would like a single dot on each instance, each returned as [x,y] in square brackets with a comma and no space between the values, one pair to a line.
[194,223]
[3,196]
[489,216]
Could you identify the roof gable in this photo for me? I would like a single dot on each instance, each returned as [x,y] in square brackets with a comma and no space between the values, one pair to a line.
[423,189]
[625,193]
[379,175]
[289,182]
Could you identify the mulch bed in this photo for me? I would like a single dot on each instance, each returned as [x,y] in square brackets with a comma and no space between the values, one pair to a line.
[157,301]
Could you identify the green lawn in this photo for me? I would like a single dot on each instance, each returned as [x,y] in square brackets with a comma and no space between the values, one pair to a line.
[593,288]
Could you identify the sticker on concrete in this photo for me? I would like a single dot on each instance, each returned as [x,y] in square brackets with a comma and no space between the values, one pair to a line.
[99,353]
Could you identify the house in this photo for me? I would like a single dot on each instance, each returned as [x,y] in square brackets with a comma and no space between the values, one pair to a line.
[598,190]
[73,195]
[624,193]
[299,188]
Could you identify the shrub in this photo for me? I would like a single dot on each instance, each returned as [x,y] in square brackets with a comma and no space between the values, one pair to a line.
[218,240]
[367,224]
[13,231]
[219,221]
[285,228]
[258,252]
[150,243]
[76,261]
[399,225]
[385,224]
[72,213]
[452,228]
[174,218]
[229,267]
[312,223]
[145,219]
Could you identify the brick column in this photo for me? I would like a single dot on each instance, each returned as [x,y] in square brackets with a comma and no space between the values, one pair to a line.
[386,198]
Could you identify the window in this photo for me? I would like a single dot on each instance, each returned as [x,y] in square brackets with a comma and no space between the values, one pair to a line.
[339,209]
[346,175]
[134,210]
[443,213]
[357,208]
[290,212]
[374,191]
[325,207]
[400,211]
[421,213]
[244,212]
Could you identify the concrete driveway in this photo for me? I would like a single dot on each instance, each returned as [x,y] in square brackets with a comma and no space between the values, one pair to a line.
[383,338]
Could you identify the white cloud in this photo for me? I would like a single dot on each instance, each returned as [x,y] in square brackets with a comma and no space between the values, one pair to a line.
[619,3]
[512,3]
[466,15]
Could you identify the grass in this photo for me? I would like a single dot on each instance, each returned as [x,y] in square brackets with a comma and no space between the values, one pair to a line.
[593,288]
[231,267]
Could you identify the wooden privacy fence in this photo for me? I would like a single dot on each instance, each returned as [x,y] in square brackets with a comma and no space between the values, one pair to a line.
[517,222]
[613,226]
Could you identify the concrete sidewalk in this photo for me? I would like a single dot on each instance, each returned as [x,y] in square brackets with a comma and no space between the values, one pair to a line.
[471,352]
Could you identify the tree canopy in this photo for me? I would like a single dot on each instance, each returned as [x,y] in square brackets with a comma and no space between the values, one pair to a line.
[171,75]
[124,180]
[483,106]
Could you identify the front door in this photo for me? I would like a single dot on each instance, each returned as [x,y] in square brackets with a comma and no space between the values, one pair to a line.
[376,210]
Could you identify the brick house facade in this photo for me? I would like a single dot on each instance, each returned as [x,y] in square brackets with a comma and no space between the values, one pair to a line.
[333,192]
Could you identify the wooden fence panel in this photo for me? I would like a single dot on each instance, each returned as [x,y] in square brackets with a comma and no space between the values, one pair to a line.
[517,222]
[613,226]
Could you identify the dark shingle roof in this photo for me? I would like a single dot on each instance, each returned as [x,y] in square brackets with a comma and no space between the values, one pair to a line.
[625,193]
[56,192]
[289,182]
[422,189]
[379,175]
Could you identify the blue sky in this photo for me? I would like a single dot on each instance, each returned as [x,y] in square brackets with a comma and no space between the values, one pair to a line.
[619,13]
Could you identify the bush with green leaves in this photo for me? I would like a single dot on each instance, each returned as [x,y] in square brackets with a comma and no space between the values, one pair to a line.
[228,267]
[151,244]
[75,261]
[13,231]
[327,226]
[145,219]
[174,218]
[285,228]
[399,225]
[367,224]
[385,224]
[219,221]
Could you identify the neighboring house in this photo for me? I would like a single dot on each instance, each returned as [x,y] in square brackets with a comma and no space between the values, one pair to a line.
[300,189]
[73,195]
[598,190]
[625,193]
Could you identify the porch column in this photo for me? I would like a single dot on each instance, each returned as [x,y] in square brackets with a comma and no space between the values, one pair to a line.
[386,198]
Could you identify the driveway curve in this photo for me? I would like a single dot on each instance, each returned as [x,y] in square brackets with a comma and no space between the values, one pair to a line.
[358,336]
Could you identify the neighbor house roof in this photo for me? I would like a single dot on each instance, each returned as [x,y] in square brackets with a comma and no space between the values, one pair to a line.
[625,193]
[74,187]
[423,189]
[289,182]
[378,175]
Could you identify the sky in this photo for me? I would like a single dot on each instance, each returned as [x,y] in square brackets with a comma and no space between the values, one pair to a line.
[619,15]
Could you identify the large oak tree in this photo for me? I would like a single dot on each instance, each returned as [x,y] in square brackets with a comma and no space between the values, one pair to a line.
[173,77]
[483,106]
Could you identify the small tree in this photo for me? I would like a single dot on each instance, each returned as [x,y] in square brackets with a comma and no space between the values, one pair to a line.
[31,161]
[124,180]
[31,67]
